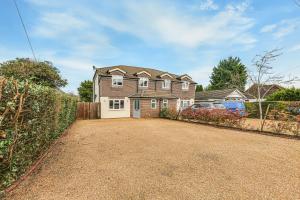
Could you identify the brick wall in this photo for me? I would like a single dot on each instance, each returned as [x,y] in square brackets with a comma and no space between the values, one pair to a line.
[147,111]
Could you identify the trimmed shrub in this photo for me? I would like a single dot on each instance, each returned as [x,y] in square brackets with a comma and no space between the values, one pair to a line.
[215,116]
[168,113]
[31,117]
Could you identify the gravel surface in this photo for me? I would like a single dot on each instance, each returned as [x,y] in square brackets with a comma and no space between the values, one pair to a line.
[162,159]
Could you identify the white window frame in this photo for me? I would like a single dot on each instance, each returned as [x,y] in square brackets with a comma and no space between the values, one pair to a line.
[165,103]
[166,86]
[185,85]
[116,102]
[182,102]
[142,80]
[115,79]
[153,102]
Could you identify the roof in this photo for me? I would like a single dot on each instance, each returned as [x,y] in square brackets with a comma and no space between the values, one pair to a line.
[154,94]
[268,89]
[214,94]
[132,71]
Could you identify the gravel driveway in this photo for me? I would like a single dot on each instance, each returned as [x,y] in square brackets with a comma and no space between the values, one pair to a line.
[162,159]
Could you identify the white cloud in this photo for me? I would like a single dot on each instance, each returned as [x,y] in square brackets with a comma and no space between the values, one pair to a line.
[201,74]
[295,48]
[283,28]
[53,24]
[206,5]
[268,28]
[179,28]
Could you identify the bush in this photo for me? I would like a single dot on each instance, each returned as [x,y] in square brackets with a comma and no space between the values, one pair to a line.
[216,116]
[252,108]
[31,117]
[291,107]
[289,94]
[168,113]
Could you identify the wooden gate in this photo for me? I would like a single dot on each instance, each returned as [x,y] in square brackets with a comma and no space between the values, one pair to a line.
[87,110]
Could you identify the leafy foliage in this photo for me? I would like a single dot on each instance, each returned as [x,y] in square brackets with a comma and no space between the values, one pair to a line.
[252,108]
[86,91]
[168,113]
[291,94]
[230,73]
[281,121]
[216,116]
[31,117]
[41,73]
[199,88]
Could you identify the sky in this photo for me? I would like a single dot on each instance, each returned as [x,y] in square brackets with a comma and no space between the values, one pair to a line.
[178,36]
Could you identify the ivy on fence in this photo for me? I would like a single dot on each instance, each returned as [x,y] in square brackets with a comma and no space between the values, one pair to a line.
[31,117]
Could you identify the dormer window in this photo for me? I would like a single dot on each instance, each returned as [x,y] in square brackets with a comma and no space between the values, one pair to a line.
[143,82]
[185,85]
[117,80]
[166,84]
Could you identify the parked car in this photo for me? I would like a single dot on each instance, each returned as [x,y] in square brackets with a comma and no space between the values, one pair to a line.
[208,105]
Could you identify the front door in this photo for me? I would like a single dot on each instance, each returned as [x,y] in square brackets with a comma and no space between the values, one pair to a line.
[136,108]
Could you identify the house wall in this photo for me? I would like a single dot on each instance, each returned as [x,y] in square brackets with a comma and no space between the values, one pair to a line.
[183,94]
[130,87]
[178,102]
[108,113]
[96,89]
[147,111]
[107,90]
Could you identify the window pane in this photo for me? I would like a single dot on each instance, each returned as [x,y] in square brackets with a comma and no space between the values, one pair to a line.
[111,104]
[122,104]
[117,104]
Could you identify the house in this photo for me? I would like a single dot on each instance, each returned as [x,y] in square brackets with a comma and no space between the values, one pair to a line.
[127,91]
[265,91]
[220,95]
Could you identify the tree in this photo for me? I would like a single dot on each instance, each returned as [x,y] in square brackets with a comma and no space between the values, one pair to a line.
[41,72]
[86,91]
[230,73]
[199,88]
[264,75]
[290,94]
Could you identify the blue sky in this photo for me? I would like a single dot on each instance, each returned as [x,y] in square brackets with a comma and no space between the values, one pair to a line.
[176,36]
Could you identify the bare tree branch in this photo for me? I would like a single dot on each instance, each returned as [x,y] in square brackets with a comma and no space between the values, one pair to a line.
[264,75]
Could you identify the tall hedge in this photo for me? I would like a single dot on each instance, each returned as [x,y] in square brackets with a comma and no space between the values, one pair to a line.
[292,107]
[31,117]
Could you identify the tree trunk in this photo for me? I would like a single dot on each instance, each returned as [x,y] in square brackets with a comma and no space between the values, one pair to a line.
[260,108]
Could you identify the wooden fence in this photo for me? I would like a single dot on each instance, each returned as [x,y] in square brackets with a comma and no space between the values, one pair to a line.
[86,110]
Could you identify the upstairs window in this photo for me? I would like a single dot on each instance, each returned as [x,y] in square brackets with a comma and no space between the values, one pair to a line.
[117,81]
[143,82]
[185,85]
[116,104]
[165,103]
[166,84]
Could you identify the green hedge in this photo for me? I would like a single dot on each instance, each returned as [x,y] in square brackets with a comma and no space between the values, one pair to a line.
[252,108]
[31,117]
